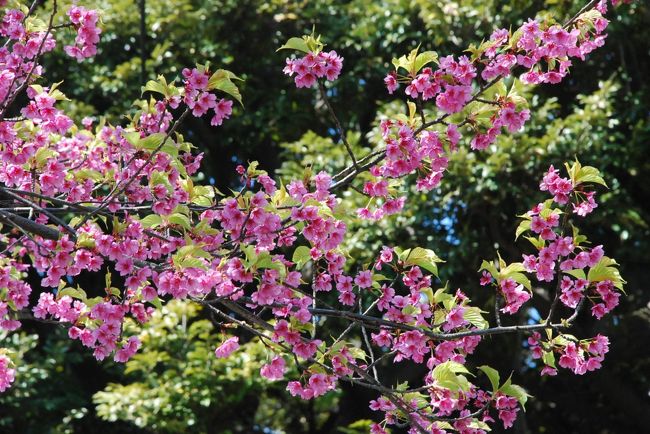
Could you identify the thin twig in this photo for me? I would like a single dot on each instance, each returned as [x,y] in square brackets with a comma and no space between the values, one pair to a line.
[339,127]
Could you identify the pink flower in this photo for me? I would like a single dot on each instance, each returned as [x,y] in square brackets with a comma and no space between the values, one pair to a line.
[391,83]
[306,349]
[7,374]
[227,348]
[454,98]
[383,338]
[512,119]
[319,384]
[486,278]
[454,318]
[599,310]
[453,135]
[313,66]
[412,344]
[547,370]
[274,370]
[128,350]
[363,279]
[515,296]
[222,110]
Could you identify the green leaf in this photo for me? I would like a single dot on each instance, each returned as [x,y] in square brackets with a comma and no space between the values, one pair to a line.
[573,171]
[589,174]
[410,62]
[151,221]
[301,256]
[265,260]
[83,174]
[222,80]
[516,392]
[477,424]
[474,316]
[410,309]
[401,62]
[202,201]
[294,43]
[180,219]
[93,301]
[412,110]
[490,268]
[549,358]
[577,238]
[493,376]
[154,86]
[446,375]
[441,295]
[193,250]
[361,426]
[157,177]
[539,243]
[76,293]
[497,89]
[502,263]
[156,302]
[523,227]
[357,353]
[151,142]
[378,277]
[578,274]
[521,279]
[43,154]
[85,240]
[605,270]
[423,258]
[424,59]
[515,267]
[190,262]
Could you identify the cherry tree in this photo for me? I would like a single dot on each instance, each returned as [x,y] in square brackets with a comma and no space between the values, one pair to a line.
[122,202]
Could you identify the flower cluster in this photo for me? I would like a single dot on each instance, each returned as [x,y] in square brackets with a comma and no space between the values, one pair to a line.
[450,85]
[508,408]
[17,293]
[527,47]
[199,99]
[543,49]
[85,21]
[17,60]
[312,66]
[514,294]
[274,370]
[7,373]
[559,187]
[317,385]
[507,116]
[12,25]
[578,356]
[426,154]
[98,327]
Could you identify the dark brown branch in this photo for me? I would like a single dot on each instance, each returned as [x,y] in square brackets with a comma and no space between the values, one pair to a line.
[29,226]
[38,208]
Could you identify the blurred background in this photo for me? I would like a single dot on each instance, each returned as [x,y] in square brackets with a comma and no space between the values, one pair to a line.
[601,114]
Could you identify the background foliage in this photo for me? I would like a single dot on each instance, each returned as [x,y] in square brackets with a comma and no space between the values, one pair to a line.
[601,114]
